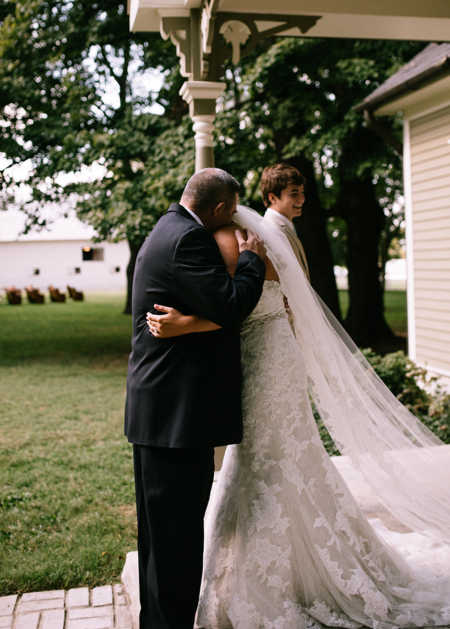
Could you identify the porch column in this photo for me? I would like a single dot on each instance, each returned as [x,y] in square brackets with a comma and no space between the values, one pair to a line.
[202,97]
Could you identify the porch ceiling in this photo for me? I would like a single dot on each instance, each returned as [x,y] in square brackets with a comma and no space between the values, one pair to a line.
[372,19]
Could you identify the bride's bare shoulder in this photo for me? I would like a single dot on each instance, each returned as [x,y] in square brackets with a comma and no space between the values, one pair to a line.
[228,245]
[226,236]
[229,248]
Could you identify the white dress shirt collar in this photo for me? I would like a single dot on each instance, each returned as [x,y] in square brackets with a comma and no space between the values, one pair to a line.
[193,214]
[278,218]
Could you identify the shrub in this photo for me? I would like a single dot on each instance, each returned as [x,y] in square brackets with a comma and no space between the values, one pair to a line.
[405,379]
[438,417]
[421,393]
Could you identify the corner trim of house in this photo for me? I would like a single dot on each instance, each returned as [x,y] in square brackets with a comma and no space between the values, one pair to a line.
[409,241]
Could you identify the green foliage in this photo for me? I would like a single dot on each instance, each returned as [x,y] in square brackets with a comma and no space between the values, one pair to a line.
[414,387]
[337,233]
[325,436]
[421,393]
[72,95]
[296,101]
[403,377]
[438,416]
[71,73]
[295,98]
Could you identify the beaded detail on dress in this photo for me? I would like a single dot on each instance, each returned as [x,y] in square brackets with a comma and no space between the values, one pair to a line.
[270,306]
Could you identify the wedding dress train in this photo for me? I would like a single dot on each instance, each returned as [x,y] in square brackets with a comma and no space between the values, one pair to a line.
[286,544]
[287,547]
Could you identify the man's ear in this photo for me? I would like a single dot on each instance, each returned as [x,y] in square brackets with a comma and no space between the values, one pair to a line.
[272,198]
[219,208]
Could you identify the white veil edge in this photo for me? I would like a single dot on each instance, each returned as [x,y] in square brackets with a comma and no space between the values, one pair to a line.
[404,463]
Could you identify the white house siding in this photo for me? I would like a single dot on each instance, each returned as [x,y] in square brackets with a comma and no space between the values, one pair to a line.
[429,139]
[57,261]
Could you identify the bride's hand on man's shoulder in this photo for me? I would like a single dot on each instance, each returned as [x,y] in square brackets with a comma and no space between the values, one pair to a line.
[250,242]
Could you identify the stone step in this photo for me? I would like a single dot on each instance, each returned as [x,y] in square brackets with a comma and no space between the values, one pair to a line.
[103,607]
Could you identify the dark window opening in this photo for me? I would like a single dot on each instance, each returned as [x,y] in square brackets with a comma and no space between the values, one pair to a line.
[36,271]
[92,253]
[77,269]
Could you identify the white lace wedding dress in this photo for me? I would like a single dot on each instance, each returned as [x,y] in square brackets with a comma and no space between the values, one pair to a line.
[287,546]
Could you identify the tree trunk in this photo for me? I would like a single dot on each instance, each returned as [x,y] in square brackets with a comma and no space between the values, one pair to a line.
[312,231]
[134,249]
[365,320]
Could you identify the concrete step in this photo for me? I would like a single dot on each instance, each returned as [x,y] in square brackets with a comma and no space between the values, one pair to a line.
[103,607]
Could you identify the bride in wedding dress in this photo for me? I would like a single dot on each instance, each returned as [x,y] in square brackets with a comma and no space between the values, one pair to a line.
[286,544]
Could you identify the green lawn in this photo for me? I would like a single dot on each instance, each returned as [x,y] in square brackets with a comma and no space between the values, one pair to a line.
[67,494]
[395,304]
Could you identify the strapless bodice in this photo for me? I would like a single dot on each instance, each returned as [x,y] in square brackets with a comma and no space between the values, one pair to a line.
[270,305]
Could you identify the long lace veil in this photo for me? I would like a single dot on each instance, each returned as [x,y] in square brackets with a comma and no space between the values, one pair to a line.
[400,459]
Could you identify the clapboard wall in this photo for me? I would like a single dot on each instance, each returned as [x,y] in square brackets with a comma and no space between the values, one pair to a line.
[427,188]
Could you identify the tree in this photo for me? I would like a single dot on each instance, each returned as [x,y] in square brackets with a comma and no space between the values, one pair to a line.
[70,73]
[254,129]
[291,101]
[297,103]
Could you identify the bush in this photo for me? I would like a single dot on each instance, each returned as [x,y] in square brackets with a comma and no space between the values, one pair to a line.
[414,387]
[403,377]
[421,393]
[438,417]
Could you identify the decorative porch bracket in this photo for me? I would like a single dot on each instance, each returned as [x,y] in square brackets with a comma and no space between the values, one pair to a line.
[205,40]
[237,34]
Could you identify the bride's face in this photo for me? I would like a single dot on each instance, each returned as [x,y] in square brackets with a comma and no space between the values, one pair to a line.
[290,202]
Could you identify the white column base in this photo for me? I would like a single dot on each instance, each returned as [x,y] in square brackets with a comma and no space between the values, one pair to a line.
[201,97]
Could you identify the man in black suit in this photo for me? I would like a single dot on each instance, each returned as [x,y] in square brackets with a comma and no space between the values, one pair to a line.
[183,393]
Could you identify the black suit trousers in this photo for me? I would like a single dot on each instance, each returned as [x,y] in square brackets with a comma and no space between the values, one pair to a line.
[172,493]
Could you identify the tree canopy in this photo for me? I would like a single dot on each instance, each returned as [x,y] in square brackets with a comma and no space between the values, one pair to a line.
[295,101]
[77,113]
[71,74]
[75,94]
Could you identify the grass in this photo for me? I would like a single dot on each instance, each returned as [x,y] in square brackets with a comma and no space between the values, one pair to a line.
[66,496]
[395,305]
[67,515]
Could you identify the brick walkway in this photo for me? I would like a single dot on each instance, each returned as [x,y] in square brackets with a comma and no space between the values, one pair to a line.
[104,607]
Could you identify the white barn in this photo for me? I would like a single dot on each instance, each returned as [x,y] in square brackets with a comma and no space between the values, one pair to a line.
[64,254]
[421,92]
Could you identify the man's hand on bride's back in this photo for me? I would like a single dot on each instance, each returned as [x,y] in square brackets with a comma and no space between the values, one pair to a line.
[175,323]
[251,243]
[171,323]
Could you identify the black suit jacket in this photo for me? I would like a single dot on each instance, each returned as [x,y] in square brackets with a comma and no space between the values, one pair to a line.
[186,391]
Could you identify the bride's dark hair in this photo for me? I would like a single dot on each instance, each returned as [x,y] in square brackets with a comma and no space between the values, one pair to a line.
[277,177]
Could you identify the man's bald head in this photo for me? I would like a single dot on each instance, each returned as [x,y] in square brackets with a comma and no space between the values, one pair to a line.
[207,188]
